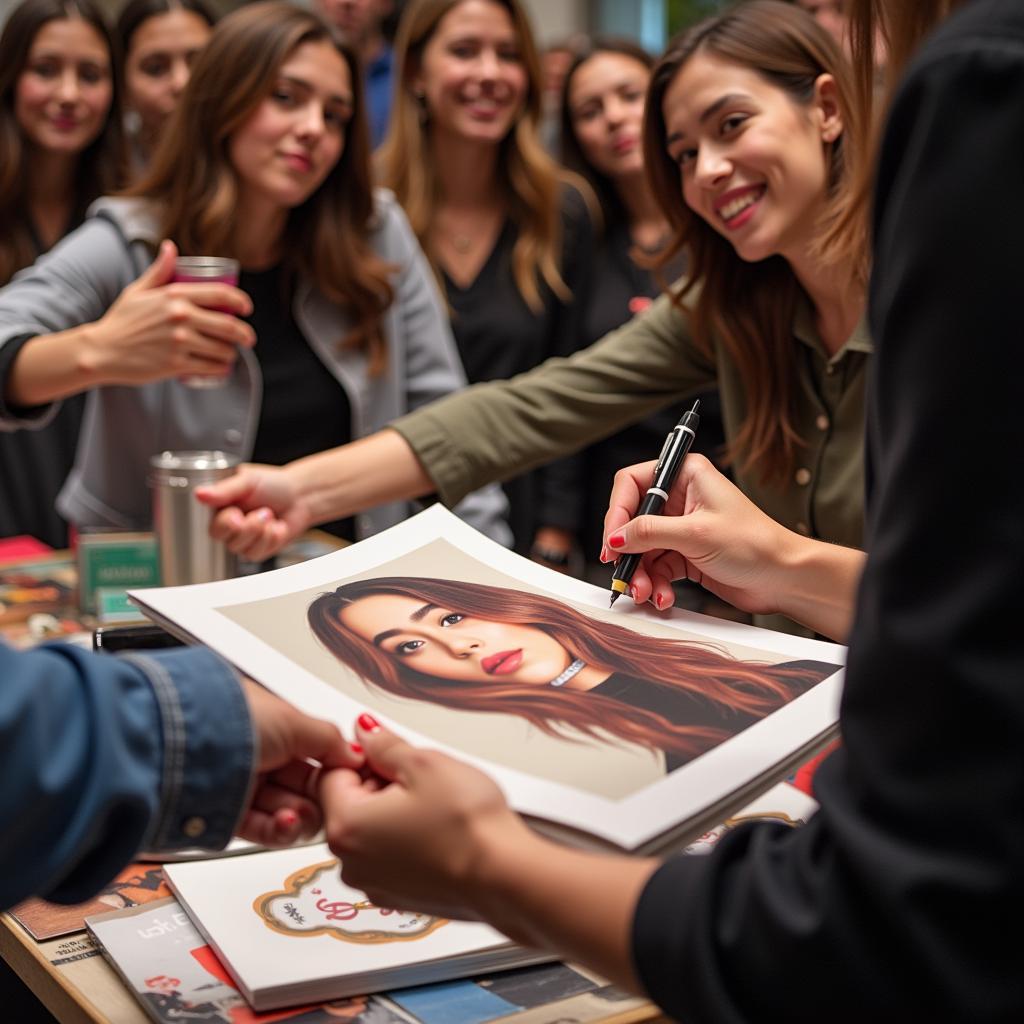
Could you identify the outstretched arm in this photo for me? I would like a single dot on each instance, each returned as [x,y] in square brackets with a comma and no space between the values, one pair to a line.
[261,508]
[151,330]
[712,534]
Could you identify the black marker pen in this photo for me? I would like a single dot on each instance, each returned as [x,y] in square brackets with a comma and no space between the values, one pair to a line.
[670,461]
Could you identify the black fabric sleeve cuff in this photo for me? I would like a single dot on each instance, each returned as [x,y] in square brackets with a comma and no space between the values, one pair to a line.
[8,353]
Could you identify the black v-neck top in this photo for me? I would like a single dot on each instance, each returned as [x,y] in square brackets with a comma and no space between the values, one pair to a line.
[498,336]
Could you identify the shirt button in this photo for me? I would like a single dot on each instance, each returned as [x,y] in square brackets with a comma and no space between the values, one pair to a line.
[194,827]
[830,369]
[803,528]
[803,477]
[821,422]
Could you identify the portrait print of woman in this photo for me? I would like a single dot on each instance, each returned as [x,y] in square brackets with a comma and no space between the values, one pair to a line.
[485,648]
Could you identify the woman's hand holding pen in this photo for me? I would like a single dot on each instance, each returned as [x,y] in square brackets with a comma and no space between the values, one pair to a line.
[708,532]
[711,533]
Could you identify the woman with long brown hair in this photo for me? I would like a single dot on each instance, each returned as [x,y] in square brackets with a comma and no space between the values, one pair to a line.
[266,160]
[602,112]
[485,648]
[506,230]
[770,311]
[895,900]
[159,41]
[60,148]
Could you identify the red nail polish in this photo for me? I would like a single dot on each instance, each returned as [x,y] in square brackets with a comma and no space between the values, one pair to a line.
[287,818]
[658,599]
[368,723]
[355,748]
[617,540]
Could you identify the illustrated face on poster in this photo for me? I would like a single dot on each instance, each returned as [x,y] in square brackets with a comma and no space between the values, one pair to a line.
[539,684]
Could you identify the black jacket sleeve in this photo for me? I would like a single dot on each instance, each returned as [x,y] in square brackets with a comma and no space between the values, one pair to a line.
[901,899]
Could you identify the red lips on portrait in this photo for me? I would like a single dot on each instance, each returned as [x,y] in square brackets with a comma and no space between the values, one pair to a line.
[503,663]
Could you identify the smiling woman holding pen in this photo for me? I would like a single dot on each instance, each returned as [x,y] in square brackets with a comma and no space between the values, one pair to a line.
[747,129]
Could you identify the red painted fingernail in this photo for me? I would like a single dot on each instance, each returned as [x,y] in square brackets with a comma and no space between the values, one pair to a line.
[617,540]
[658,599]
[368,723]
[355,748]
[288,818]
[605,557]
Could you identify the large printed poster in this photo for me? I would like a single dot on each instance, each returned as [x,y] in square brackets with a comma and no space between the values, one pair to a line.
[606,720]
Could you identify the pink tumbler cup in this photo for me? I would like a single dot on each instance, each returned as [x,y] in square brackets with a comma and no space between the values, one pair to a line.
[203,270]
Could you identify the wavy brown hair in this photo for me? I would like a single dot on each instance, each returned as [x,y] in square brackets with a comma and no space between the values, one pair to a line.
[751,306]
[700,669]
[530,178]
[195,187]
[101,164]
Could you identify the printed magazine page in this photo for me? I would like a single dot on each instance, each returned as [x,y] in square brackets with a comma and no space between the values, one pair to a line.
[621,727]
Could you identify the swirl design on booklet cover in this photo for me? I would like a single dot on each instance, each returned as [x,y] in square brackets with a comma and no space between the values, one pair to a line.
[315,901]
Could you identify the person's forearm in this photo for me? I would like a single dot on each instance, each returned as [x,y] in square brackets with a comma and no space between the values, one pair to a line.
[580,905]
[819,585]
[368,472]
[54,366]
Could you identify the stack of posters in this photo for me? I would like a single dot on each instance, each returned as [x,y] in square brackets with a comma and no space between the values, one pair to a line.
[619,728]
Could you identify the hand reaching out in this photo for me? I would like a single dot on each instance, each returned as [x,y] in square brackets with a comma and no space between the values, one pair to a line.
[258,511]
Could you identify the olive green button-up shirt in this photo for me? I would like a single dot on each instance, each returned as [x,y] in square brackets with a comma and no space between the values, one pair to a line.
[502,428]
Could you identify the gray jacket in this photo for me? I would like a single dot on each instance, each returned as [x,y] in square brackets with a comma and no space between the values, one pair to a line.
[79,279]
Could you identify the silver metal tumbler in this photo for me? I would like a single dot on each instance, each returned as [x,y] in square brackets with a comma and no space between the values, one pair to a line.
[188,554]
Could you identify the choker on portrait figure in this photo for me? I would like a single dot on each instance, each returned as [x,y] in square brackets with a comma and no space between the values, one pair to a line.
[571,672]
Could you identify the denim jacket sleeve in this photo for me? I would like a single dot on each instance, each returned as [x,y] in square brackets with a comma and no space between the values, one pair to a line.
[102,756]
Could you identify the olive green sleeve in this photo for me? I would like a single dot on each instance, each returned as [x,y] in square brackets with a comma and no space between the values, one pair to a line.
[499,429]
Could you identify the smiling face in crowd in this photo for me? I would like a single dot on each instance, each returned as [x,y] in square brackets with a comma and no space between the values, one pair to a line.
[447,644]
[63,94]
[472,77]
[753,162]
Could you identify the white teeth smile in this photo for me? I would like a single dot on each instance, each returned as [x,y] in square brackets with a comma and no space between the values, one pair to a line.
[738,205]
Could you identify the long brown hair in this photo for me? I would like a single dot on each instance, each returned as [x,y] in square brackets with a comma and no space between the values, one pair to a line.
[531,179]
[738,686]
[902,26]
[195,187]
[571,153]
[100,164]
[750,306]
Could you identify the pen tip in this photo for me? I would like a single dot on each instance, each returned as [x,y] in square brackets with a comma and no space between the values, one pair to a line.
[615,598]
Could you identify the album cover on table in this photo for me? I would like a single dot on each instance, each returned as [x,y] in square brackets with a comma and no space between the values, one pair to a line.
[619,727]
